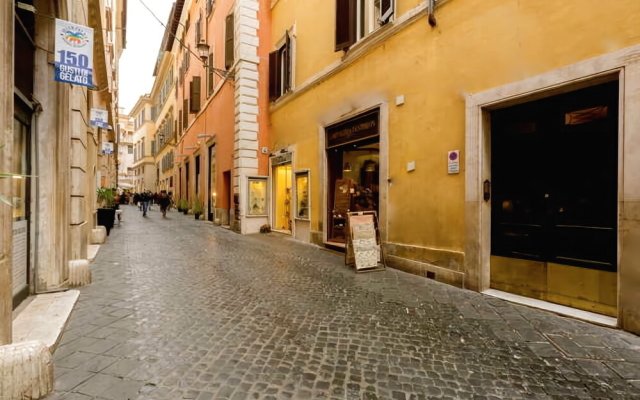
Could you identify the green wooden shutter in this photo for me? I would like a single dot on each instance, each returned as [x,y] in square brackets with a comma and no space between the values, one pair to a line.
[228,43]
[194,94]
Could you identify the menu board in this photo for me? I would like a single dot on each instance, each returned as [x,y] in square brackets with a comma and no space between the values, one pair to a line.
[363,248]
[342,195]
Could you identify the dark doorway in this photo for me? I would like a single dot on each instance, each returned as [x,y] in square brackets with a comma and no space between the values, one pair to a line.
[212,184]
[554,171]
[554,166]
[225,219]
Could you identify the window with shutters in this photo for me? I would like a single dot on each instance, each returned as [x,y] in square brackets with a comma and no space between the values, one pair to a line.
[355,19]
[185,113]
[198,28]
[210,75]
[280,69]
[175,130]
[179,122]
[194,94]
[228,42]
[210,6]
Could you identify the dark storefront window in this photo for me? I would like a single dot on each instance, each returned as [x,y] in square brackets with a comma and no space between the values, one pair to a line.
[353,159]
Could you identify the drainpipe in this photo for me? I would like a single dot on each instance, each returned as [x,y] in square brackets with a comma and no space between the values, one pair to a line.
[431,16]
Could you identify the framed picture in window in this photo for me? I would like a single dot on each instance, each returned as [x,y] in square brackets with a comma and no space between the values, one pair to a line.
[257,196]
[302,195]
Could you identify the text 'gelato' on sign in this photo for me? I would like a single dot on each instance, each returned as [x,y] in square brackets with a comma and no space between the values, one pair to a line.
[73,53]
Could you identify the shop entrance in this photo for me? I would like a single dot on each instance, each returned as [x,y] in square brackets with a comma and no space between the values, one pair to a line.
[554,199]
[353,159]
[212,184]
[282,182]
[225,218]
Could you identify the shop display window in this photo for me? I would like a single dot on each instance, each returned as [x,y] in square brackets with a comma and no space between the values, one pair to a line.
[20,149]
[302,195]
[257,196]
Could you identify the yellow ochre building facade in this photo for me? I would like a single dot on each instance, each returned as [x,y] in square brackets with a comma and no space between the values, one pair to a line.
[498,141]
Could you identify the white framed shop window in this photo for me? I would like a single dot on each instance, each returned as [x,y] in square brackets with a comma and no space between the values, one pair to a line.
[303,198]
[257,196]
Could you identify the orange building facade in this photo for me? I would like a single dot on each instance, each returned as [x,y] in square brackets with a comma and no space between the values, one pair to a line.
[221,103]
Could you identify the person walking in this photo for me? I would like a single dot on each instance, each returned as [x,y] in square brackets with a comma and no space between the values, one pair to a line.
[145,198]
[164,201]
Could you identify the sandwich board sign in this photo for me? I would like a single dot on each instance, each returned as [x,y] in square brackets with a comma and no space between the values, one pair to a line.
[363,246]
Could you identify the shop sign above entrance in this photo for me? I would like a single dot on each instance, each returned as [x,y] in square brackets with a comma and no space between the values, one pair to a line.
[283,158]
[363,126]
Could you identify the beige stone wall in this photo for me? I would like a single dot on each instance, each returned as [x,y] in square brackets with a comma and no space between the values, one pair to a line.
[6,137]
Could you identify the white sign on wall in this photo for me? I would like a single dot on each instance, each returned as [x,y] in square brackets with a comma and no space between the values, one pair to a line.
[99,117]
[107,148]
[453,162]
[74,53]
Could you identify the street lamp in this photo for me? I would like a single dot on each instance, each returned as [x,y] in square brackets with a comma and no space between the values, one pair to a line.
[203,53]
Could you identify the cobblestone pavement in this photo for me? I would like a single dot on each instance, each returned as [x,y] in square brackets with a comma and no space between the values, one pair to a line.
[181,309]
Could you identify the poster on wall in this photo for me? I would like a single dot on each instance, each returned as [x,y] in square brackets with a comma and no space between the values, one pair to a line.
[73,53]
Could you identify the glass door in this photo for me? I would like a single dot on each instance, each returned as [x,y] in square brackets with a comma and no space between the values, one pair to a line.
[282,197]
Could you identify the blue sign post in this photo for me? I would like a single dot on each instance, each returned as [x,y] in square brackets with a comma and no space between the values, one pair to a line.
[74,53]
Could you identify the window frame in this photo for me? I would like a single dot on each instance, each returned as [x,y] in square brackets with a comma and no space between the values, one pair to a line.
[263,180]
[281,68]
[298,175]
[352,24]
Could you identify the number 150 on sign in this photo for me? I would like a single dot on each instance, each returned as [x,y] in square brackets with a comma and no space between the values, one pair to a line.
[74,59]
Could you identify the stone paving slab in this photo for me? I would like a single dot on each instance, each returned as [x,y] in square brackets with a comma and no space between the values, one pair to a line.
[182,309]
[44,317]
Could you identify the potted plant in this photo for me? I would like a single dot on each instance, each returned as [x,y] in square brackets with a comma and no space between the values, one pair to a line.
[178,204]
[184,206]
[106,212]
[197,207]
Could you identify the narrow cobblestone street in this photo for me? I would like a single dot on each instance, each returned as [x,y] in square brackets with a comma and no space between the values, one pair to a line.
[182,309]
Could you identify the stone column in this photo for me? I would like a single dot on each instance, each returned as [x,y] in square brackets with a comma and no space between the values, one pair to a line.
[51,135]
[245,150]
[6,140]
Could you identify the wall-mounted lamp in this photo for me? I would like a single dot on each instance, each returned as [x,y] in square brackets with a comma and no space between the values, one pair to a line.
[347,167]
[203,53]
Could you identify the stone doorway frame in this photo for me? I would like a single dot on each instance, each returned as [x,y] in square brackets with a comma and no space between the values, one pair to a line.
[623,65]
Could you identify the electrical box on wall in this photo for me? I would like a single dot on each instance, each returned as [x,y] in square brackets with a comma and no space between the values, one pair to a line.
[411,166]
[264,150]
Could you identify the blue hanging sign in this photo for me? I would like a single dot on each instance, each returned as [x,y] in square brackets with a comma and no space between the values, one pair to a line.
[74,53]
[99,117]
